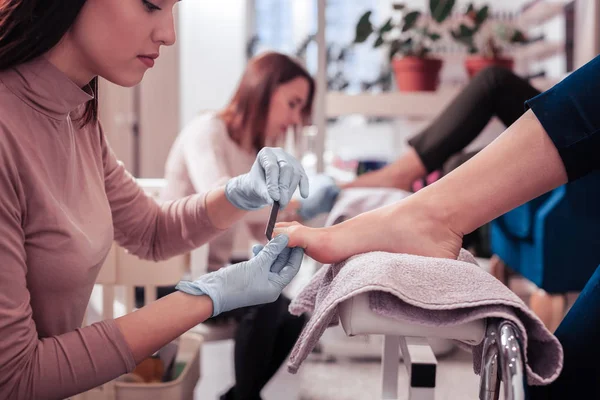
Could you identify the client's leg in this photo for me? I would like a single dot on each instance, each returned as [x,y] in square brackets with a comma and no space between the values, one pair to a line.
[494,91]
[578,334]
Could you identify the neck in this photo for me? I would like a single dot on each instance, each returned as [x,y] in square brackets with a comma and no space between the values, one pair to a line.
[246,142]
[244,136]
[64,57]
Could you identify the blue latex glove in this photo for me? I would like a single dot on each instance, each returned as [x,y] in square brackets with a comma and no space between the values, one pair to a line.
[322,199]
[256,281]
[274,176]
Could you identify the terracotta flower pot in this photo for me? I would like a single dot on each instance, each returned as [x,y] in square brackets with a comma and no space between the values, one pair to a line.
[417,74]
[474,64]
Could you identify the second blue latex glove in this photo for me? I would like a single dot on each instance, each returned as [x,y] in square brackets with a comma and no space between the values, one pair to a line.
[256,281]
[323,195]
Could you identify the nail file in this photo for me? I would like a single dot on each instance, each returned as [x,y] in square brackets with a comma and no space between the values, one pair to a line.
[272,220]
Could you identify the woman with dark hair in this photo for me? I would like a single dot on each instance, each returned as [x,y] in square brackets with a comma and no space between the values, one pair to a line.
[274,94]
[64,197]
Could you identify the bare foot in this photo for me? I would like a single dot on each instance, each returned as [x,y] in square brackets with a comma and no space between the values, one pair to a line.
[405,227]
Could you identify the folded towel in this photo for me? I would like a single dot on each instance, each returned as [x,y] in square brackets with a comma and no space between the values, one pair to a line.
[428,291]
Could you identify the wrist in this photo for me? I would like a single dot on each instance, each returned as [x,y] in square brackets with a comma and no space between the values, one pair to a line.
[203,303]
[221,211]
[200,306]
[203,290]
[229,189]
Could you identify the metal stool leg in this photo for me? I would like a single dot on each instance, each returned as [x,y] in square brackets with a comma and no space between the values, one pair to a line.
[511,361]
[389,366]
[489,387]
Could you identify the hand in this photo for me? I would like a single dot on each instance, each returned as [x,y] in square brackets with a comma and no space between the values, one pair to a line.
[274,177]
[323,197]
[256,281]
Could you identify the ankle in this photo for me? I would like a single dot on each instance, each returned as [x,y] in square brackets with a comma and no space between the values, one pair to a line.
[429,219]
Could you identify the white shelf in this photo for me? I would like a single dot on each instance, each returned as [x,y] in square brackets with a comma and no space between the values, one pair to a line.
[539,50]
[541,12]
[396,104]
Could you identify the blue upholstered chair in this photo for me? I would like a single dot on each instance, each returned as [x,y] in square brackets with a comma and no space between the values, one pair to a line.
[553,240]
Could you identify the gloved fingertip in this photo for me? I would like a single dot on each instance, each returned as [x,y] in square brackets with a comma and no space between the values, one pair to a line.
[257,249]
[283,200]
[274,194]
[304,187]
[272,249]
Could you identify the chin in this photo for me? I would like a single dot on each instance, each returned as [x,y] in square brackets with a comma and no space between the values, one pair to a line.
[125,80]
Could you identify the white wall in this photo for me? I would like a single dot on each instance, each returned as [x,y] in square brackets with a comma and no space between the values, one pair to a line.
[212,39]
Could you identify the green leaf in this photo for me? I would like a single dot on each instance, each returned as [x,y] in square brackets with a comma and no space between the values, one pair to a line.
[464,40]
[378,42]
[465,31]
[470,8]
[388,26]
[518,37]
[364,28]
[410,20]
[434,36]
[441,9]
[482,15]
[433,6]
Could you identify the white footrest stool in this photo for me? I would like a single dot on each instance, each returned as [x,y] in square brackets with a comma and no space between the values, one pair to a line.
[502,352]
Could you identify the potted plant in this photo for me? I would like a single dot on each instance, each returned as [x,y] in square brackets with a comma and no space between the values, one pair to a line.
[486,42]
[409,40]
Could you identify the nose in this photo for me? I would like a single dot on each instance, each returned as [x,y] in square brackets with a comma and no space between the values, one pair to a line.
[296,118]
[165,33]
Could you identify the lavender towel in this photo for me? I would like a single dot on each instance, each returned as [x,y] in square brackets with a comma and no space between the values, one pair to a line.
[428,291]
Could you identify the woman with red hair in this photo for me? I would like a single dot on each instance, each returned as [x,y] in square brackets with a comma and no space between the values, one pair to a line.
[274,94]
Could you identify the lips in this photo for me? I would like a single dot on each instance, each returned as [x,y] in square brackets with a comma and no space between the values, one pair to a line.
[148,59]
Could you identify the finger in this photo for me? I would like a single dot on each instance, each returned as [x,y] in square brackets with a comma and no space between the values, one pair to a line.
[300,173]
[293,266]
[285,224]
[272,249]
[291,190]
[286,176]
[303,184]
[257,249]
[281,261]
[268,161]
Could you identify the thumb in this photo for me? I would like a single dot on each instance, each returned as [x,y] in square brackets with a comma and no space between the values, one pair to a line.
[269,253]
[293,266]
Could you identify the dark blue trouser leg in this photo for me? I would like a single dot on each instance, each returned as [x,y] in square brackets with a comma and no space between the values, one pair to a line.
[579,334]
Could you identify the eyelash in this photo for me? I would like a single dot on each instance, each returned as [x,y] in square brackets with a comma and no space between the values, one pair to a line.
[150,7]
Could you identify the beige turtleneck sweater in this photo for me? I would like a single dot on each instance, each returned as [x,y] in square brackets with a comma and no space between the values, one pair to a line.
[63,197]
